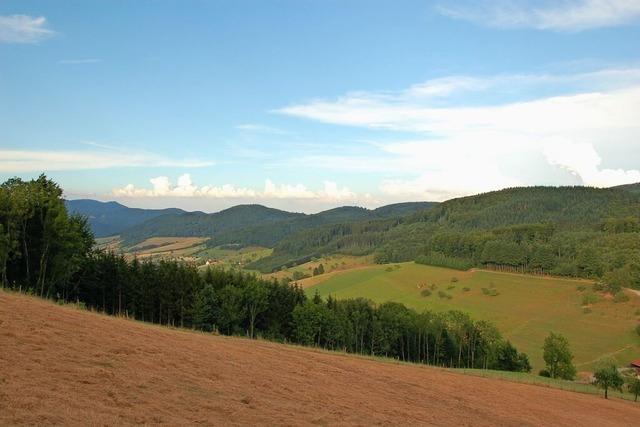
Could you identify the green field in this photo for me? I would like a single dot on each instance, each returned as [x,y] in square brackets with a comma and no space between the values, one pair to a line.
[525,308]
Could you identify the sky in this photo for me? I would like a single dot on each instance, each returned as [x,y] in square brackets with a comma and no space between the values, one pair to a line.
[311,104]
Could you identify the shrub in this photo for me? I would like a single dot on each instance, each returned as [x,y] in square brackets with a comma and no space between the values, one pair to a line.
[465,289]
[638,329]
[607,287]
[581,288]
[620,297]
[490,292]
[425,292]
[451,287]
[544,373]
[454,279]
[589,299]
[444,295]
[388,268]
[638,312]
[433,286]
[299,275]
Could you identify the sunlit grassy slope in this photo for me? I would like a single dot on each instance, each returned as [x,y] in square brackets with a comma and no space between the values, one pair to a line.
[525,309]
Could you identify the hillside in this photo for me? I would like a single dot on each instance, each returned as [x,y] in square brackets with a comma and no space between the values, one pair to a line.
[634,188]
[256,224]
[563,230]
[199,224]
[523,307]
[111,218]
[60,365]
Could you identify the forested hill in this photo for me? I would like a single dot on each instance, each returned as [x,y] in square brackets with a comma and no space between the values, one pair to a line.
[256,224]
[573,231]
[205,225]
[271,234]
[634,188]
[110,218]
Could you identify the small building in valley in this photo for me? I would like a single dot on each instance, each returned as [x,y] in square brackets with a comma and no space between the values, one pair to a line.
[636,365]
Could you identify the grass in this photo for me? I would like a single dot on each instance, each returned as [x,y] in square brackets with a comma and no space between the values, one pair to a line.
[332,264]
[520,377]
[232,258]
[525,308]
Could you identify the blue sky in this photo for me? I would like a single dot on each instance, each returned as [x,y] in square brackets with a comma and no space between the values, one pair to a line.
[307,105]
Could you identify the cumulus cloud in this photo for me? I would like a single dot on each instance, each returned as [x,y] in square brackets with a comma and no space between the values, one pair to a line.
[23,29]
[584,161]
[12,161]
[162,187]
[472,143]
[567,15]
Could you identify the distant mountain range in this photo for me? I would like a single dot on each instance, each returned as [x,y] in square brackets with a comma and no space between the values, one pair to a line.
[111,218]
[246,224]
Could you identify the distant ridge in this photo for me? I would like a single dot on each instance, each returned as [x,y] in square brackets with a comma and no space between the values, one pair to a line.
[256,224]
[110,218]
[633,188]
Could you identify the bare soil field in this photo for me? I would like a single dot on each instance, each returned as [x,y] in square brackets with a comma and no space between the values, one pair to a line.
[60,365]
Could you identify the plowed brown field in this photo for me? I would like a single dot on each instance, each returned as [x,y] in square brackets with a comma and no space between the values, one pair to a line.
[59,365]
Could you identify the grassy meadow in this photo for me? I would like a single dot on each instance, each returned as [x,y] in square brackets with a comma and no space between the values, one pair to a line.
[525,308]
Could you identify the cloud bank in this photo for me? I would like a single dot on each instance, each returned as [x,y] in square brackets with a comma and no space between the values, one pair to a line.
[162,186]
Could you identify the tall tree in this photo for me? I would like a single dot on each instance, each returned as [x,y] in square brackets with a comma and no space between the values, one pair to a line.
[558,357]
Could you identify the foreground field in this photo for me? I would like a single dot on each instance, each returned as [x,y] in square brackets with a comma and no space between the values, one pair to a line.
[60,365]
[525,308]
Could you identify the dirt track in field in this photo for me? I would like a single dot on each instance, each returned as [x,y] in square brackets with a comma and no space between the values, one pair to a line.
[59,365]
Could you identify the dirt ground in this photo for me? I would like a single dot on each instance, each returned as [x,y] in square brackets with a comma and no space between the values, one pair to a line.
[59,365]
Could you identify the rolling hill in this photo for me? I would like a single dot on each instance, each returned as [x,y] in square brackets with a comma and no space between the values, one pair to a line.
[199,224]
[111,218]
[256,224]
[64,366]
[551,229]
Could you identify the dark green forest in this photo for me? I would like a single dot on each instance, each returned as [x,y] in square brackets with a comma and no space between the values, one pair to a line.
[47,252]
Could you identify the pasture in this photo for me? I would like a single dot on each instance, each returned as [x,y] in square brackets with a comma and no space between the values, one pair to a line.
[230,257]
[525,308]
[332,264]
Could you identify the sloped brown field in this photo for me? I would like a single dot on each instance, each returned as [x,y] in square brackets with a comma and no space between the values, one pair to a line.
[59,365]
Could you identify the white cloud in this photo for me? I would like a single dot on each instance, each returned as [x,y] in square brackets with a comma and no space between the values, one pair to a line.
[162,187]
[469,147]
[23,29]
[12,161]
[566,15]
[584,161]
